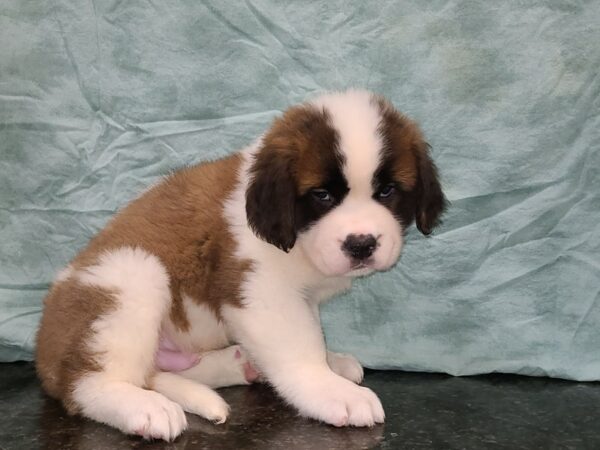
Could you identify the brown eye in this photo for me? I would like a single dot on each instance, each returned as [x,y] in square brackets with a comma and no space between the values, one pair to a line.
[386,191]
[322,195]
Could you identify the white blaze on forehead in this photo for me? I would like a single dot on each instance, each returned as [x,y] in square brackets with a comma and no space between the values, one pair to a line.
[356,120]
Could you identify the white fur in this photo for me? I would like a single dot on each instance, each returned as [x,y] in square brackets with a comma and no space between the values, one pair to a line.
[129,408]
[356,215]
[126,339]
[193,397]
[279,330]
[124,342]
[278,325]
[356,120]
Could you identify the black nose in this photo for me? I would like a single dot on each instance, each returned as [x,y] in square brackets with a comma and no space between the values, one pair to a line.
[359,246]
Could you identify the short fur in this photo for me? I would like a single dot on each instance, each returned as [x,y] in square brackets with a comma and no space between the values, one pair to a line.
[241,251]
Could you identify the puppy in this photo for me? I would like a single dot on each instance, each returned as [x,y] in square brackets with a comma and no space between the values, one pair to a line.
[230,260]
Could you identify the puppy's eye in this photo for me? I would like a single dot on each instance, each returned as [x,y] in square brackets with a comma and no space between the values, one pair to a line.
[387,190]
[322,195]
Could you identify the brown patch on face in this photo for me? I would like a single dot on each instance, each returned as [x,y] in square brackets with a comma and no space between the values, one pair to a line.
[401,139]
[406,160]
[181,222]
[62,352]
[306,134]
[299,153]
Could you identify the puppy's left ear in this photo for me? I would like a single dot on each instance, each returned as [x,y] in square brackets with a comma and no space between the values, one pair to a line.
[431,202]
[271,198]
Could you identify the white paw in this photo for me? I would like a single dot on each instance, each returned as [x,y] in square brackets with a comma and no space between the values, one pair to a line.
[207,403]
[155,417]
[346,366]
[193,397]
[340,403]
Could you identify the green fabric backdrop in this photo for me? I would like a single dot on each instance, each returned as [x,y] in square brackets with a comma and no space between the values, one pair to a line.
[99,98]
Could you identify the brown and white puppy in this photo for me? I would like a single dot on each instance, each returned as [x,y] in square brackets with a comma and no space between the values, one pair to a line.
[240,251]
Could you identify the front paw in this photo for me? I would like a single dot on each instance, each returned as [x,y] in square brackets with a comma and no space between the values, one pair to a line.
[339,402]
[346,366]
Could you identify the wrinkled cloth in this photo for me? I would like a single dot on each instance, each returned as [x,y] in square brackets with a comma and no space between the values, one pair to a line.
[99,99]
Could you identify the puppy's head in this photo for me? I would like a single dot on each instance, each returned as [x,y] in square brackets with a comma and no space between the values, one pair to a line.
[342,177]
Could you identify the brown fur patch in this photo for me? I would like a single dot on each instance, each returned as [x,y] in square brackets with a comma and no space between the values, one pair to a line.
[62,354]
[300,152]
[181,222]
[407,153]
[306,134]
[403,139]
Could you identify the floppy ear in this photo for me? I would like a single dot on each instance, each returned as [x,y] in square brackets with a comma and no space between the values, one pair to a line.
[430,202]
[271,198]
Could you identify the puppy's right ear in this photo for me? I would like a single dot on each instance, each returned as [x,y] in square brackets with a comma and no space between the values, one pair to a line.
[271,197]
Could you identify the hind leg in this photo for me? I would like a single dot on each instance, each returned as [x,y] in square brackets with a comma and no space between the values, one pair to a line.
[122,343]
[229,366]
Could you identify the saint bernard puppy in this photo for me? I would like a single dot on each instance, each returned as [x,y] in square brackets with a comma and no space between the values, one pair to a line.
[214,276]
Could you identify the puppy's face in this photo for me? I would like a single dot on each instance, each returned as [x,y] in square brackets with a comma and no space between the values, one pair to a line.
[342,178]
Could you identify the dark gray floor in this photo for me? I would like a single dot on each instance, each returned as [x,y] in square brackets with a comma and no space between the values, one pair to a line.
[423,411]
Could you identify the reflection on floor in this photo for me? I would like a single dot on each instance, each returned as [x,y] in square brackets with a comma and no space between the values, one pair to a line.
[424,411]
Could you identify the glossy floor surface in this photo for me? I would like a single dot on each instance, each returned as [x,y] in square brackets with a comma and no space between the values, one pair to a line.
[424,411]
